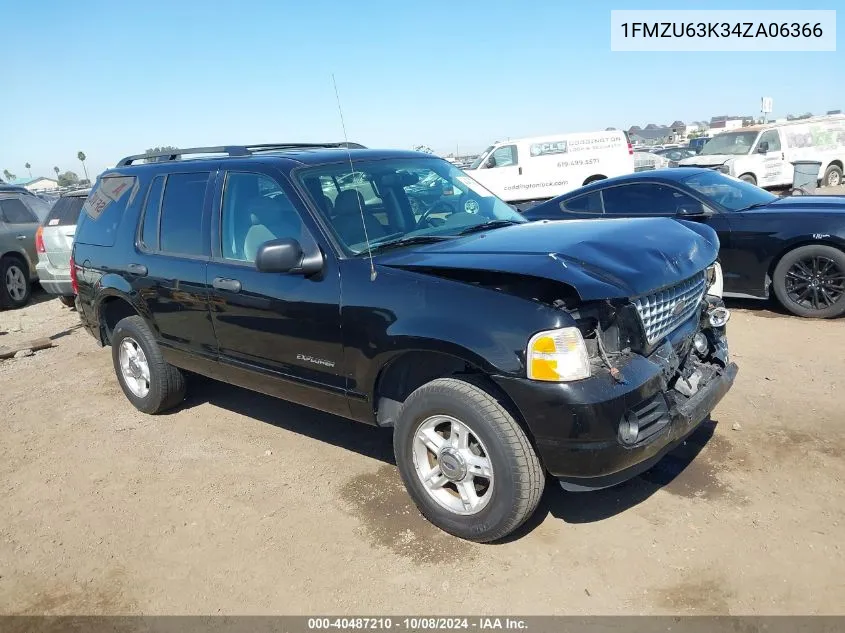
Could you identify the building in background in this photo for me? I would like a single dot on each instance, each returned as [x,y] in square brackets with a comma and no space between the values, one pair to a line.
[39,183]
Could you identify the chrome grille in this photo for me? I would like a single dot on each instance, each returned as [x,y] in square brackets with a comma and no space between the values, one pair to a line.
[658,310]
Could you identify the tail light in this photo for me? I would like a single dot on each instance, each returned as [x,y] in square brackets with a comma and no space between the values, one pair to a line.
[39,240]
[74,282]
[630,149]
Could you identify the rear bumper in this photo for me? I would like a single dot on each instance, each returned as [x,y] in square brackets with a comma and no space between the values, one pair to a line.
[576,426]
[54,280]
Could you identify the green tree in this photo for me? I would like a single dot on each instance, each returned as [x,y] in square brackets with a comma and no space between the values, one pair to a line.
[67,179]
[81,156]
[7,174]
[29,169]
[158,150]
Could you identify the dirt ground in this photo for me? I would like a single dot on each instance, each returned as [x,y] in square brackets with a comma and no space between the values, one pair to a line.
[240,504]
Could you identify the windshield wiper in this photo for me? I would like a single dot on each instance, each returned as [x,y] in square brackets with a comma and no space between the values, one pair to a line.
[405,241]
[756,205]
[490,224]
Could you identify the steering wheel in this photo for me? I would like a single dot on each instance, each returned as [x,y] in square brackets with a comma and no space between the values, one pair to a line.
[438,207]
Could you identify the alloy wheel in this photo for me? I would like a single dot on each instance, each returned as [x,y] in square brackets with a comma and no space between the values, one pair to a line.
[134,367]
[15,282]
[815,283]
[453,465]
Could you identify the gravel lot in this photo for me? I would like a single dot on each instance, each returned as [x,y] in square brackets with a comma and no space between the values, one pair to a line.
[237,503]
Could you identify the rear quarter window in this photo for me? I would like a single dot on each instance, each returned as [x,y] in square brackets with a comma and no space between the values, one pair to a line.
[104,208]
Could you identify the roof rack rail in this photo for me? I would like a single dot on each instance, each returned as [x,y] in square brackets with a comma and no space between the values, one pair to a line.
[232,150]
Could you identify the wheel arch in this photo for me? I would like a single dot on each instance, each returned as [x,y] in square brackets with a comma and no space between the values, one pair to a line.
[112,306]
[22,256]
[594,178]
[834,163]
[798,243]
[409,370]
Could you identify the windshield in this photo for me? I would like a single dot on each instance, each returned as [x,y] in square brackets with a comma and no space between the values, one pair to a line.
[732,143]
[399,199]
[477,162]
[731,193]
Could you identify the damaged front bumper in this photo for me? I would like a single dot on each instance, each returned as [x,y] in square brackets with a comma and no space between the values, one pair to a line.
[598,432]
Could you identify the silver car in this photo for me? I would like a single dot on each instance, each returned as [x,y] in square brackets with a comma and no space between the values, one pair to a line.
[54,243]
[20,215]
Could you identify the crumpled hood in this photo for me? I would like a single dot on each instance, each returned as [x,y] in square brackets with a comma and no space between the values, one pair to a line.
[600,259]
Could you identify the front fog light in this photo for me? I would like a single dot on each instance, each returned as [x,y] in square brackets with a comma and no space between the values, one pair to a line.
[718,316]
[558,356]
[629,429]
[700,343]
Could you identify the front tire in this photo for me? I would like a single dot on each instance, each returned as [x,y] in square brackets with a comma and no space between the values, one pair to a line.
[749,178]
[465,461]
[149,383]
[15,288]
[809,281]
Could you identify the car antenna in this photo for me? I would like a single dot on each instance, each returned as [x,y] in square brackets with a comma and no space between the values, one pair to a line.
[352,167]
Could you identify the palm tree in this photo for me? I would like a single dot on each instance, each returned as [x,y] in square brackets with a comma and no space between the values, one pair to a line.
[56,169]
[29,169]
[7,174]
[81,157]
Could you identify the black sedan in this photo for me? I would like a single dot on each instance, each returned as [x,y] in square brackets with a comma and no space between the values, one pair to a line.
[794,246]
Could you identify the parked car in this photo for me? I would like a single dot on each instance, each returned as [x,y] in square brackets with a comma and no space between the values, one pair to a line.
[20,214]
[530,169]
[53,243]
[499,350]
[794,246]
[763,154]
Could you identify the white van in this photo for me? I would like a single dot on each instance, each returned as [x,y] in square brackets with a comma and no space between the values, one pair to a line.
[543,167]
[763,154]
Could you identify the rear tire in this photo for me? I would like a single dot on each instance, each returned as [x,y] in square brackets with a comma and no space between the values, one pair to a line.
[796,273]
[68,301]
[149,383]
[15,288]
[489,479]
[832,176]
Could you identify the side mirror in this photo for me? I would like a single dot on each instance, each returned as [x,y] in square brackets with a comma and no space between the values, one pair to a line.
[490,162]
[286,256]
[692,209]
[763,147]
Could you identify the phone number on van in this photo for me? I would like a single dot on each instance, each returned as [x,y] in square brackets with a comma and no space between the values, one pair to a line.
[578,163]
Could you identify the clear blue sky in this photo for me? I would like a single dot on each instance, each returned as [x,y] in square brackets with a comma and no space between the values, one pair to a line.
[112,78]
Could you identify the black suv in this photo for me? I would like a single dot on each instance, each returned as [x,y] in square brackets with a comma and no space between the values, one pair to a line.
[390,288]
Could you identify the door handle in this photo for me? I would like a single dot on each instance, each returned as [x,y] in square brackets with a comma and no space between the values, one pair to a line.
[137,269]
[222,283]
[520,171]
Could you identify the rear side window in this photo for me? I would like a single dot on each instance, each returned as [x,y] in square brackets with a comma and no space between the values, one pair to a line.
[588,203]
[181,231]
[13,211]
[65,211]
[103,210]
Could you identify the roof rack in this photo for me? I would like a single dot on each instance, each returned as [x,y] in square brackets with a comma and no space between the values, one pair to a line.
[233,150]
